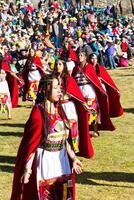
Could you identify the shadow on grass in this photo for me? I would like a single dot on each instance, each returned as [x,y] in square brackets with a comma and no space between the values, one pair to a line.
[7,159]
[123,75]
[7,168]
[125,68]
[25,106]
[129,110]
[18,134]
[12,125]
[85,177]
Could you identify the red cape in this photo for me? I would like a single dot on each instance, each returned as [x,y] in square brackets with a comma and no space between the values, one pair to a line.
[33,135]
[115,108]
[24,74]
[32,138]
[85,145]
[73,89]
[106,123]
[12,83]
[73,55]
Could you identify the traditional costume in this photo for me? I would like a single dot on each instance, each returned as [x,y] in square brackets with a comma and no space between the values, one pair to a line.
[5,99]
[51,176]
[95,96]
[115,108]
[12,83]
[31,75]
[71,94]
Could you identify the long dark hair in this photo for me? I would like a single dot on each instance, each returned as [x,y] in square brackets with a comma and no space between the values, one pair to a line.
[63,74]
[97,66]
[83,51]
[44,92]
[64,69]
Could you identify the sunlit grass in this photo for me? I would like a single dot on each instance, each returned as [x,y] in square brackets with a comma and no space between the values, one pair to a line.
[109,175]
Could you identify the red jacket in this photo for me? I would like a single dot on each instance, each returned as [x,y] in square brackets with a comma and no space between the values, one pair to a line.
[124,46]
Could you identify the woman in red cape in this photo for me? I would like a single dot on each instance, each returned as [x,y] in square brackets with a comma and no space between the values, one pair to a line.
[67,52]
[46,163]
[113,93]
[71,94]
[12,80]
[90,85]
[31,75]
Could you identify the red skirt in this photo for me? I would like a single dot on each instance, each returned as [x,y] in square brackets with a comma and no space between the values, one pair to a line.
[60,188]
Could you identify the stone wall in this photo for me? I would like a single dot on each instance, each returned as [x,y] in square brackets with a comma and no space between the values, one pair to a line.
[125,4]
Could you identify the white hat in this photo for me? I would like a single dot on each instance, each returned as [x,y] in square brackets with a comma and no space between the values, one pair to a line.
[109,40]
[93,39]
[70,65]
[124,55]
[117,37]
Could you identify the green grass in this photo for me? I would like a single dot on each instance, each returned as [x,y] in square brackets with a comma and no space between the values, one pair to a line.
[109,175]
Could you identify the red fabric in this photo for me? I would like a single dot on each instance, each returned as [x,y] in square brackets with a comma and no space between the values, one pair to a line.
[24,75]
[115,108]
[13,88]
[85,145]
[30,8]
[124,46]
[56,5]
[12,83]
[106,123]
[5,66]
[32,137]
[7,57]
[73,89]
[58,188]
[73,55]
[124,62]
[116,31]
[37,61]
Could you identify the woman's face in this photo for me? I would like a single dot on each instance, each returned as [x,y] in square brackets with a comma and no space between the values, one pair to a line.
[32,52]
[66,44]
[60,66]
[94,60]
[82,57]
[56,91]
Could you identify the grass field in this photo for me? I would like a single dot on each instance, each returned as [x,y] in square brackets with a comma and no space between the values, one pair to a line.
[109,175]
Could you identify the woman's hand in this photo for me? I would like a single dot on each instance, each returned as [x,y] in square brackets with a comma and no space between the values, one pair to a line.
[77,166]
[88,109]
[25,177]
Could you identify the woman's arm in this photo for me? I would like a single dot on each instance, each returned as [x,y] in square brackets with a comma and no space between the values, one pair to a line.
[28,170]
[15,76]
[77,165]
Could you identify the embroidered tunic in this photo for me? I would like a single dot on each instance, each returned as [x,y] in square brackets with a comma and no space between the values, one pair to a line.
[52,161]
[88,92]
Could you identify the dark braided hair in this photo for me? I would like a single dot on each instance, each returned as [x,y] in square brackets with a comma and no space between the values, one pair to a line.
[45,87]
[44,92]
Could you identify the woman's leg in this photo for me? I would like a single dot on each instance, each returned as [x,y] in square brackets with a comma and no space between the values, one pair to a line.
[9,108]
[95,130]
